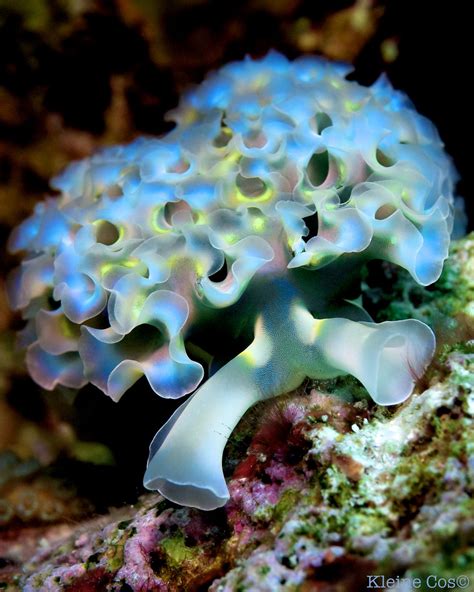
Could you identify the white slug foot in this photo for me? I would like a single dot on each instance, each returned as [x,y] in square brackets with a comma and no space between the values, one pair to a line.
[386,357]
[185,462]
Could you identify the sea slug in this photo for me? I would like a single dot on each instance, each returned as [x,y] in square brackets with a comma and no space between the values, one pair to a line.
[233,246]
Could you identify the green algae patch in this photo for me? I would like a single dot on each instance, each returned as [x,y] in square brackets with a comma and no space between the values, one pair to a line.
[447,305]
[285,504]
[114,553]
[177,551]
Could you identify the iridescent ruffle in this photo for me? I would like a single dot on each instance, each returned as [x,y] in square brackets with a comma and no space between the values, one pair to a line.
[132,245]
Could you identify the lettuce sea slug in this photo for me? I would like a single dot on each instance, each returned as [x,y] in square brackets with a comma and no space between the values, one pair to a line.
[241,234]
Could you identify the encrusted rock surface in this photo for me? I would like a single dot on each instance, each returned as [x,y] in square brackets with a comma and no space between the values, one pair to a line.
[326,488]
